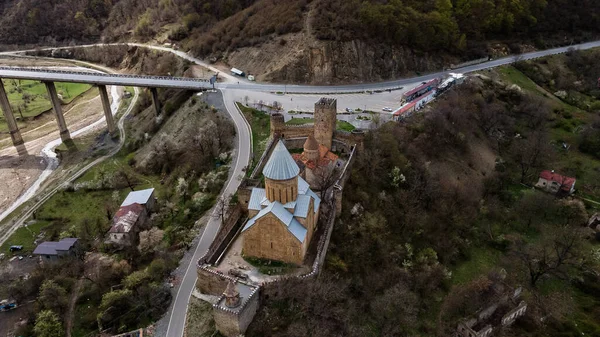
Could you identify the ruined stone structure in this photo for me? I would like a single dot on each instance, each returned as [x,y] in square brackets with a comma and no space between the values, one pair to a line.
[283,215]
[501,312]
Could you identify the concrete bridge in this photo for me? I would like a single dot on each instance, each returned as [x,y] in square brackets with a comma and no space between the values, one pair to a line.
[100,80]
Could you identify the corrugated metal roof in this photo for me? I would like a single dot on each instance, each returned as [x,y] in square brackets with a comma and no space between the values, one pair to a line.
[125,218]
[302,205]
[46,248]
[298,230]
[302,186]
[256,198]
[281,165]
[51,247]
[281,213]
[139,197]
[316,198]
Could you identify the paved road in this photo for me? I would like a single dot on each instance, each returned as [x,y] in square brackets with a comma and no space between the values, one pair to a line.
[178,311]
[194,84]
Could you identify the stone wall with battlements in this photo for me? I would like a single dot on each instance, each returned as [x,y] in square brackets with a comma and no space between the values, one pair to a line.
[210,281]
[234,321]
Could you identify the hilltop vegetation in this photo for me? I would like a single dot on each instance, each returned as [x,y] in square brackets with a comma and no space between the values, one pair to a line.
[446,205]
[412,30]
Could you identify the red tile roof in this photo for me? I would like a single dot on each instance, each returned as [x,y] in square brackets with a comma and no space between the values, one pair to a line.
[565,182]
[403,109]
[325,157]
[421,87]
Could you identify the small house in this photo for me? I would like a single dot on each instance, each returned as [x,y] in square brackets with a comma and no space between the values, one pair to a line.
[143,197]
[127,223]
[131,217]
[52,250]
[555,183]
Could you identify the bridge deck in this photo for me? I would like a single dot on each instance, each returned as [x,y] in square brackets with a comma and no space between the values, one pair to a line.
[103,79]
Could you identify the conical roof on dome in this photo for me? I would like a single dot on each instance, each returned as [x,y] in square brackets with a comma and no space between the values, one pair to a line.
[311,143]
[230,291]
[281,165]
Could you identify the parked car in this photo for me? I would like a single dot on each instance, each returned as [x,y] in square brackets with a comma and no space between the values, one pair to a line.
[15,248]
[386,109]
[349,110]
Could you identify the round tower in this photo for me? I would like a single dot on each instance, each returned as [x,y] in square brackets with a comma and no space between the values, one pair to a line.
[325,120]
[281,176]
[277,124]
[311,149]
[232,296]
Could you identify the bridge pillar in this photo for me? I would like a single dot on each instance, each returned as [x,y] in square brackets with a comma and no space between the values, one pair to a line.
[155,101]
[13,128]
[110,122]
[60,119]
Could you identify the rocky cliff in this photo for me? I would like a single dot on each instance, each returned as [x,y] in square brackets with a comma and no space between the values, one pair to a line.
[297,58]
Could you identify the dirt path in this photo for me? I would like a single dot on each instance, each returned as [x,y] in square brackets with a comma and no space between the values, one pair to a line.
[71,310]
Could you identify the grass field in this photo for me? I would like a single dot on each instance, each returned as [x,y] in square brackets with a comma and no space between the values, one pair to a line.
[24,236]
[483,260]
[512,75]
[568,120]
[260,125]
[29,98]
[341,125]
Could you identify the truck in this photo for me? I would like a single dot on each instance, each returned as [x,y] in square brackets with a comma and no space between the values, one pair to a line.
[237,72]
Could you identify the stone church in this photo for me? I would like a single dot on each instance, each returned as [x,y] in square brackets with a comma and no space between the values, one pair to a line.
[283,215]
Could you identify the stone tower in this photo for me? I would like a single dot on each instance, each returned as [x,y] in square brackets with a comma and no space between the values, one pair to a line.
[325,120]
[232,296]
[277,124]
[311,149]
[281,176]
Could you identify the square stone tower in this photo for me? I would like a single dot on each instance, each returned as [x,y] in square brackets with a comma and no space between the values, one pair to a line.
[325,120]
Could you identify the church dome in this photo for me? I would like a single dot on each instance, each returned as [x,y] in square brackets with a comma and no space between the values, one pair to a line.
[281,165]
[311,143]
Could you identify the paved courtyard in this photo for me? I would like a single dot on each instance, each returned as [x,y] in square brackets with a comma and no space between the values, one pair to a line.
[233,260]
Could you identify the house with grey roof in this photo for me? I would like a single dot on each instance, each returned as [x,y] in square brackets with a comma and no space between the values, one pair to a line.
[145,198]
[131,217]
[283,215]
[53,250]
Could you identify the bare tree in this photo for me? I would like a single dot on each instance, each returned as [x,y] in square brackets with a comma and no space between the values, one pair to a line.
[557,250]
[221,208]
[325,178]
[530,153]
[125,177]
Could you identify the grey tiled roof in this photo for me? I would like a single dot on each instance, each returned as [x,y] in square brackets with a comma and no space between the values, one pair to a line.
[302,205]
[257,196]
[281,165]
[277,209]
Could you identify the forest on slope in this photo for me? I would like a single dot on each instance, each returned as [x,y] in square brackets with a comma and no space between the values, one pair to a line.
[440,206]
[452,30]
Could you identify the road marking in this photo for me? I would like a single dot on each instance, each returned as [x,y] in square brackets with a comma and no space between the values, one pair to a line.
[236,115]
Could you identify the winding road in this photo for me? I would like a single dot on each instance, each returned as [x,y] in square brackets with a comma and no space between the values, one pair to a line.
[178,309]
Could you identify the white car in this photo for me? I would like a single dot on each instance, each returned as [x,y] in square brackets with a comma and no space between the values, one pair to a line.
[386,109]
